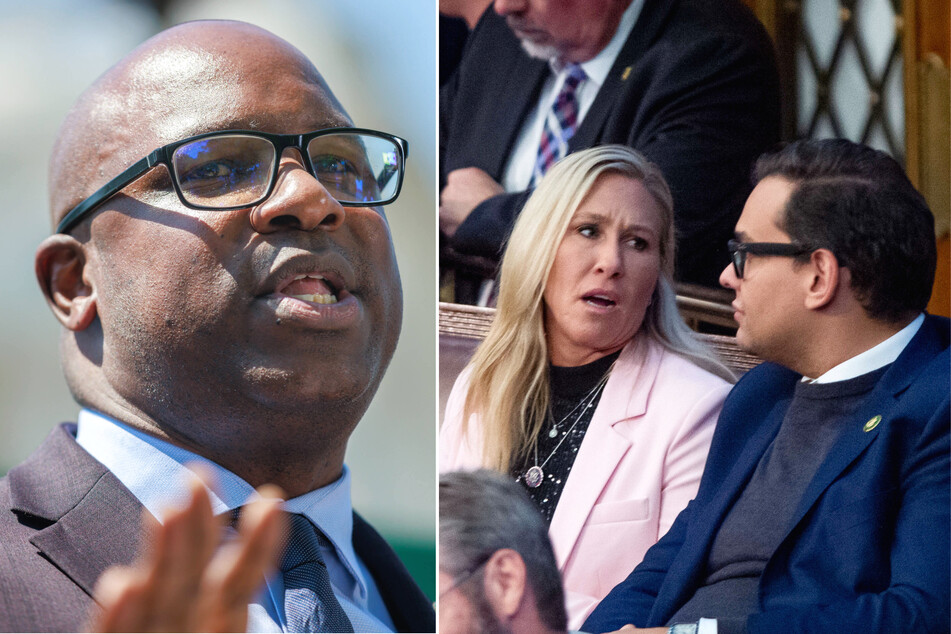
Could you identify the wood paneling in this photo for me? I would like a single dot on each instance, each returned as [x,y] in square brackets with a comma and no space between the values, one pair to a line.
[928,125]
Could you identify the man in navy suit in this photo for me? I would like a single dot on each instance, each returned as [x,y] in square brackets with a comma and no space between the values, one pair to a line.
[691,84]
[229,300]
[824,506]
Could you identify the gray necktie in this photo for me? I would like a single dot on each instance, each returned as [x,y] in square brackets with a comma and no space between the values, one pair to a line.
[309,601]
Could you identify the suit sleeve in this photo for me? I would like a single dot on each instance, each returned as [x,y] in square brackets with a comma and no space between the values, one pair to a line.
[446,97]
[487,228]
[463,143]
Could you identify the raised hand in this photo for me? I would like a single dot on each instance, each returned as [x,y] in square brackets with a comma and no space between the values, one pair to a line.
[184,580]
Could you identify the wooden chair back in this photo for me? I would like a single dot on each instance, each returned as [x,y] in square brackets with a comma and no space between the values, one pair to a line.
[462,328]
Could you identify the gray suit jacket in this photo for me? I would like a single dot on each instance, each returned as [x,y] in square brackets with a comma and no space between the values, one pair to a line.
[64,519]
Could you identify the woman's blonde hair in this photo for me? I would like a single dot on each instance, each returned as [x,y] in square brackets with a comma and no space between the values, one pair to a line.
[508,384]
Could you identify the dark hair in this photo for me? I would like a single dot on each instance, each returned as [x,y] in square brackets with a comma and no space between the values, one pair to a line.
[858,203]
[481,512]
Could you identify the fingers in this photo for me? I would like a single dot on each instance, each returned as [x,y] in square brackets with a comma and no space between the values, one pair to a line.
[261,530]
[183,548]
[238,569]
[120,592]
[183,581]
[150,595]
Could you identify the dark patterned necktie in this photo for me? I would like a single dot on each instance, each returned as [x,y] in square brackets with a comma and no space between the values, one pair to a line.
[560,123]
[309,601]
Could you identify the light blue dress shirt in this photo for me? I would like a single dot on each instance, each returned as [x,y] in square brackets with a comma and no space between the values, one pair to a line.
[155,472]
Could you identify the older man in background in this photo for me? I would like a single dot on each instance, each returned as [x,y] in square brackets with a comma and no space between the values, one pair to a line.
[691,84]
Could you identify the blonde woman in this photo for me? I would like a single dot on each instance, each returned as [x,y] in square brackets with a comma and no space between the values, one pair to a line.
[589,389]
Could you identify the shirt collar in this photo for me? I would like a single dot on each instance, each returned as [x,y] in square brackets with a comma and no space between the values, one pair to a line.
[155,472]
[598,67]
[874,358]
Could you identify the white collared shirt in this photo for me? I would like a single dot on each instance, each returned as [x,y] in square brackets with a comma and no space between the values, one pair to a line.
[154,471]
[874,358]
[521,162]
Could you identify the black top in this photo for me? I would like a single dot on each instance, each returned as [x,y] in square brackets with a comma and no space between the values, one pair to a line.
[572,407]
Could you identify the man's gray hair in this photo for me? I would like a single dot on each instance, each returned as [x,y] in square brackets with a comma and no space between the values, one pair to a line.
[481,512]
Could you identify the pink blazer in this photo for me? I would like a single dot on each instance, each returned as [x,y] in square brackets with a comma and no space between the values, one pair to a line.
[638,466]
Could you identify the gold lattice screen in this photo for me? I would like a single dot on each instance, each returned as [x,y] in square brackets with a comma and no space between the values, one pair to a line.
[848,71]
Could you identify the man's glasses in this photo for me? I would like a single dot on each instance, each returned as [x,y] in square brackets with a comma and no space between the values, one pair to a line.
[466,575]
[739,250]
[235,169]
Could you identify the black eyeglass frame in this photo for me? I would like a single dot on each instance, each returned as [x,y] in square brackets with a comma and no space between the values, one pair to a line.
[466,575]
[281,142]
[739,250]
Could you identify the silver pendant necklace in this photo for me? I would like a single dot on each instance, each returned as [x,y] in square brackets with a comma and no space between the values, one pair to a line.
[535,474]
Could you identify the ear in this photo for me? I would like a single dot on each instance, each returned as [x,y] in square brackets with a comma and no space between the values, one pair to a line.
[825,276]
[61,272]
[505,578]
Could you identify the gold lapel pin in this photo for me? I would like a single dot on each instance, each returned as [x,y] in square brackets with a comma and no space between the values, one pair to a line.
[872,422]
[626,73]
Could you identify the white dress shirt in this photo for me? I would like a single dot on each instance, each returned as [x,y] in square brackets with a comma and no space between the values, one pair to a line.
[873,358]
[155,472]
[521,162]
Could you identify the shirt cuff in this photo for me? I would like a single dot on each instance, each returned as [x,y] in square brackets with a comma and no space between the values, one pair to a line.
[707,626]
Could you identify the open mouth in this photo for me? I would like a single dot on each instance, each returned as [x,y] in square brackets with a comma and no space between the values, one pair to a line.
[602,301]
[311,287]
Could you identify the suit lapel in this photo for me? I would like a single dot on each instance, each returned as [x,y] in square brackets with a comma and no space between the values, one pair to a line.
[647,28]
[515,101]
[625,397]
[94,520]
[880,403]
[101,531]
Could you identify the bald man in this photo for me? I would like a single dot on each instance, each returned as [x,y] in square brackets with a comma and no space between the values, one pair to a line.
[229,296]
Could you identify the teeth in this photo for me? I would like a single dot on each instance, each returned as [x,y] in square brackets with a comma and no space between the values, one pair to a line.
[318,298]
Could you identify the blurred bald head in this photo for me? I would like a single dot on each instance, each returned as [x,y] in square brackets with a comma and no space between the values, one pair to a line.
[186,80]
[175,320]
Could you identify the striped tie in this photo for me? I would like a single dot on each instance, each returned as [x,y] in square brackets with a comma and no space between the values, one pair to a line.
[560,124]
[309,602]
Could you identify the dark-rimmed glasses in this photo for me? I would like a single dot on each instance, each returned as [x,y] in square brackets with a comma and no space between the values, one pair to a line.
[235,169]
[739,250]
[465,576]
